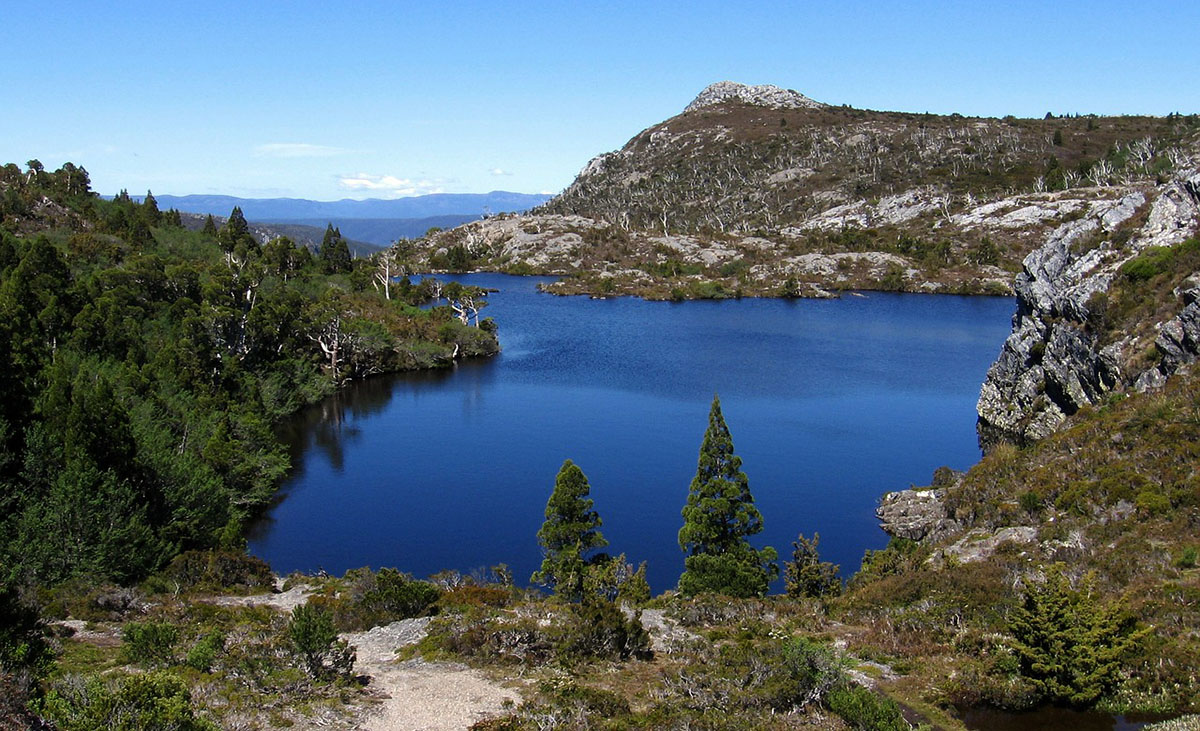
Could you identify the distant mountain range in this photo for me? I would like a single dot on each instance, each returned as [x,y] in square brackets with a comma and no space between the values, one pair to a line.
[374,221]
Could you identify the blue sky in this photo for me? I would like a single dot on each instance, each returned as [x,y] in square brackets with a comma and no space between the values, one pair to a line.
[382,99]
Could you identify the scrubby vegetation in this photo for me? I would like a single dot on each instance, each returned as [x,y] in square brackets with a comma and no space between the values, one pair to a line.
[740,167]
[737,200]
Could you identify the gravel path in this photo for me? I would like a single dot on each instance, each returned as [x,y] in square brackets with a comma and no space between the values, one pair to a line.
[417,695]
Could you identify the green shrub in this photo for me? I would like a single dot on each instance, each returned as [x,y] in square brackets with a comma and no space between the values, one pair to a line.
[893,559]
[1030,502]
[149,702]
[502,639]
[315,640]
[22,634]
[374,599]
[584,700]
[149,643]
[218,570]
[1069,644]
[204,653]
[811,671]
[472,596]
[1187,558]
[740,572]
[1154,260]
[806,575]
[599,629]
[864,710]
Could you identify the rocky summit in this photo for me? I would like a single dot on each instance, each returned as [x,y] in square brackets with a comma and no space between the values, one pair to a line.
[762,95]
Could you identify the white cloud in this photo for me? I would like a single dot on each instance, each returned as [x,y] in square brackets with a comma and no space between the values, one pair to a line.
[500,171]
[390,185]
[297,149]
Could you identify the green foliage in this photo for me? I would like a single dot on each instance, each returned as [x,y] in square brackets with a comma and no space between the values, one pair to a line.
[23,645]
[1156,260]
[1070,644]
[334,252]
[314,639]
[893,559]
[864,710]
[583,701]
[806,575]
[217,570]
[205,651]
[471,596]
[571,531]
[812,671]
[744,678]
[737,572]
[149,702]
[143,366]
[372,599]
[717,518]
[149,643]
[598,629]
[615,579]
[1187,557]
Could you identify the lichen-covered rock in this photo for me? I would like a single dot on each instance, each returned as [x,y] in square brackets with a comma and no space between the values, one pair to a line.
[1053,364]
[916,515]
[979,544]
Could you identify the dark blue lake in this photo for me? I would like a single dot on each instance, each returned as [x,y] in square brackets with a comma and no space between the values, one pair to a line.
[830,403]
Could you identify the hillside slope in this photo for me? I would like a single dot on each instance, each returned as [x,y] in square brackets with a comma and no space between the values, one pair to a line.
[769,193]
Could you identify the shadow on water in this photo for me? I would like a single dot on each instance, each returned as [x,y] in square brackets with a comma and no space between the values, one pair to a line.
[330,426]
[1051,718]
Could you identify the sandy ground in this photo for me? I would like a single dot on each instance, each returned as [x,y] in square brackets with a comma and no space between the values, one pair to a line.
[415,695]
[418,695]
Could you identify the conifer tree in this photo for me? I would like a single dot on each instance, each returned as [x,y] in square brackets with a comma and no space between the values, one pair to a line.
[150,210]
[210,227]
[806,575]
[236,225]
[1070,644]
[334,253]
[235,234]
[718,517]
[571,531]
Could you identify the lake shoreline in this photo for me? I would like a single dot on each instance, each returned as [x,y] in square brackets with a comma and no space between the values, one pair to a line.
[586,379]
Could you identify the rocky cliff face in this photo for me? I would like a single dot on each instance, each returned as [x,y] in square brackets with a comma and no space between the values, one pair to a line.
[1062,355]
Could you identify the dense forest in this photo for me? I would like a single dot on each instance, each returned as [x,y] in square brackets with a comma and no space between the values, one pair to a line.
[145,365]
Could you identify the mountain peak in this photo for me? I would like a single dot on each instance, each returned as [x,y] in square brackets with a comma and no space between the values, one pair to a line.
[763,95]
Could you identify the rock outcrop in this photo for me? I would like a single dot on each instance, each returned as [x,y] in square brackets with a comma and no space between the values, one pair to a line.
[1055,362]
[920,513]
[762,95]
[916,515]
